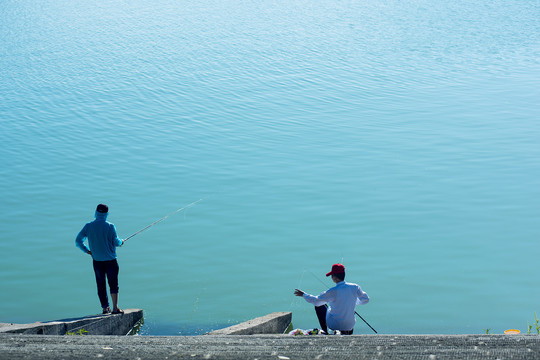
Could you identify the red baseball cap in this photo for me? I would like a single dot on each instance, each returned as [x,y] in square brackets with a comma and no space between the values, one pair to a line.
[337,269]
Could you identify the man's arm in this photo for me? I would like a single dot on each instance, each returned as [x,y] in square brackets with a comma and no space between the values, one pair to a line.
[79,241]
[319,300]
[362,297]
[117,241]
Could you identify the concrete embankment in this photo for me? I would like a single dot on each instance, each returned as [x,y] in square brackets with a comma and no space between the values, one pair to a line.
[276,347]
[120,324]
[238,342]
[274,323]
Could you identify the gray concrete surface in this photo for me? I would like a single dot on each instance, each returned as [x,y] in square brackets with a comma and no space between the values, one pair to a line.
[274,323]
[276,347]
[119,324]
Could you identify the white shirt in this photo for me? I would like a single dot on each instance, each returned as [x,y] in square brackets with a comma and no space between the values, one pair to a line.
[342,300]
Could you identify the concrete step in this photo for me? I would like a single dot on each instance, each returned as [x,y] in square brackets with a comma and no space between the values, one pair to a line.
[274,323]
[120,324]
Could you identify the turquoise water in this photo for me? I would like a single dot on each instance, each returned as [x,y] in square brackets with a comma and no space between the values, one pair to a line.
[400,138]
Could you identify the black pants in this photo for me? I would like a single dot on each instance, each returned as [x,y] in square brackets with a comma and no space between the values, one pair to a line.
[321,315]
[108,269]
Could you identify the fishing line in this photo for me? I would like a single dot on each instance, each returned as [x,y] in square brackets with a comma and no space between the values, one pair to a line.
[163,218]
[196,302]
[316,277]
[299,286]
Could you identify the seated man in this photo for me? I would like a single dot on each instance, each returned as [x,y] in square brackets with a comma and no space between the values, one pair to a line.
[342,299]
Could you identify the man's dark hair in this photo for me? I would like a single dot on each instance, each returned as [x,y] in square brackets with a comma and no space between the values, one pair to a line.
[340,276]
[102,208]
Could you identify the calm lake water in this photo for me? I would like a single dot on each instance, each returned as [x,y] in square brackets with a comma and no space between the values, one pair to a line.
[398,137]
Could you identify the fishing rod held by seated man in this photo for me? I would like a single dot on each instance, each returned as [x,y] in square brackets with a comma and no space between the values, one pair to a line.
[341,299]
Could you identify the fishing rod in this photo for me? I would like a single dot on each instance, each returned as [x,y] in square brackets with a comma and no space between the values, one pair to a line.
[375,331]
[163,218]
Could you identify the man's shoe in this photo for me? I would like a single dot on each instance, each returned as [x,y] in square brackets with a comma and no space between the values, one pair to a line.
[106,310]
[118,311]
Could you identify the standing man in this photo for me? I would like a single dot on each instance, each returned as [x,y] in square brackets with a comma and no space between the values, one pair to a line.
[102,240]
[342,299]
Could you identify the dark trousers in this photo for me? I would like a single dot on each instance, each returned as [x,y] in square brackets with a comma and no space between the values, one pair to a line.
[106,271]
[321,315]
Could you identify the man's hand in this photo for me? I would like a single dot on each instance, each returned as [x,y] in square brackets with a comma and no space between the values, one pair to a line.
[298,292]
[89,252]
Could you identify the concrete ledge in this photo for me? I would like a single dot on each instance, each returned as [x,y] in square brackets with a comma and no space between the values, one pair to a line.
[119,324]
[274,323]
[262,347]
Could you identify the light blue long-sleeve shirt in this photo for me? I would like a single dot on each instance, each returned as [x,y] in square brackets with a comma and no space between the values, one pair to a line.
[342,300]
[102,238]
